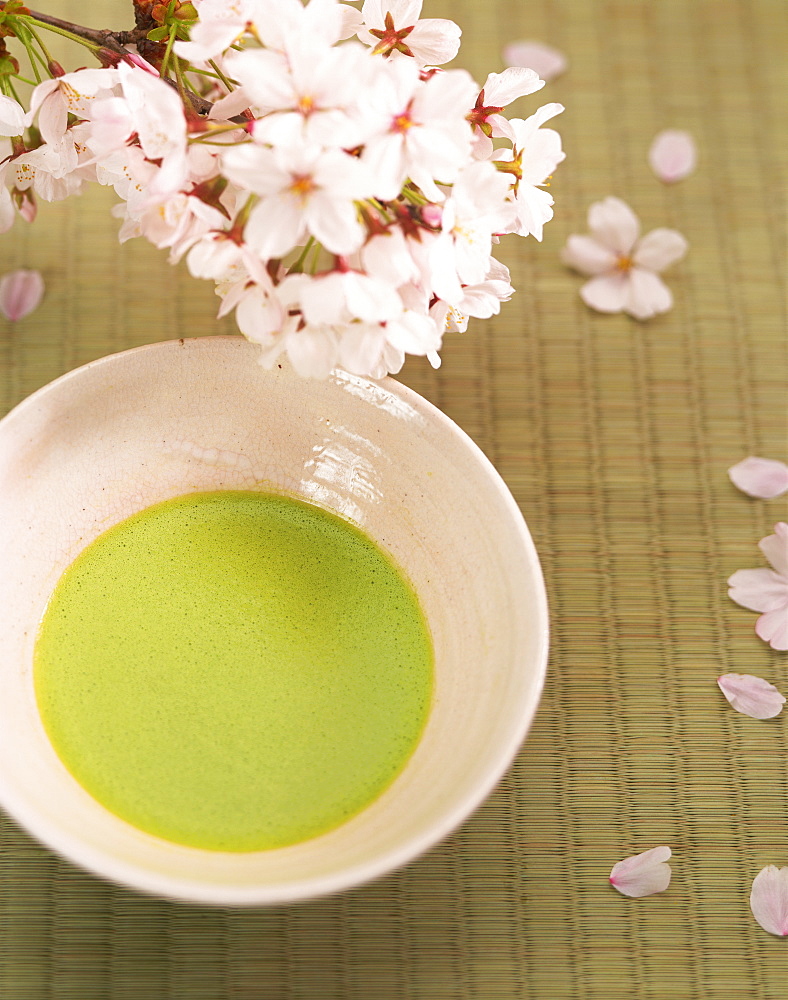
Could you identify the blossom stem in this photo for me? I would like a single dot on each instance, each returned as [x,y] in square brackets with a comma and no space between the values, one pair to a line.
[243,216]
[37,37]
[413,195]
[205,137]
[167,52]
[299,264]
[32,54]
[71,35]
[228,83]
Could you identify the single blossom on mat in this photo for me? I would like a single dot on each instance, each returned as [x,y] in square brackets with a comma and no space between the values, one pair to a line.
[547,61]
[20,293]
[766,590]
[673,155]
[769,900]
[623,265]
[751,695]
[762,478]
[643,874]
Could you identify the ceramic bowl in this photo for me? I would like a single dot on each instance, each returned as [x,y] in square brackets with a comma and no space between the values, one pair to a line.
[136,428]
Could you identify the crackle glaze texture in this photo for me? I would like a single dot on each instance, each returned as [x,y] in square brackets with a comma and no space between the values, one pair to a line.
[134,429]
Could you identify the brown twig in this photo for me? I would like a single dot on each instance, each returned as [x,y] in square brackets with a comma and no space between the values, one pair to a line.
[112,40]
[115,42]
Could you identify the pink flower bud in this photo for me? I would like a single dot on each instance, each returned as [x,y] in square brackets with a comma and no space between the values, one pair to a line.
[25,202]
[20,293]
[432,215]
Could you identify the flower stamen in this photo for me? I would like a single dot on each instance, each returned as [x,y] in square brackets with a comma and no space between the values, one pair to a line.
[302,186]
[624,263]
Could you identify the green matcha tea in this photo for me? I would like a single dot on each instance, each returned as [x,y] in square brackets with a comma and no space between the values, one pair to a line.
[234,671]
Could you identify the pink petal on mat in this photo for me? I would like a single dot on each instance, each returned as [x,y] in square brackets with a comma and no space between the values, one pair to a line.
[642,874]
[673,155]
[762,478]
[751,696]
[20,293]
[547,61]
[769,900]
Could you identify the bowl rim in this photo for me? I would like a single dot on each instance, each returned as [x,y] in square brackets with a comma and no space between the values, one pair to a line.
[158,884]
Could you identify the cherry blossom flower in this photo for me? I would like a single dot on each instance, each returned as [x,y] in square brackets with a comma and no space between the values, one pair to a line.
[643,874]
[623,266]
[20,293]
[499,90]
[310,95]
[476,210]
[672,155]
[536,153]
[769,900]
[751,696]
[421,131]
[762,478]
[160,124]
[547,61]
[766,590]
[302,191]
[393,28]
[220,23]
[54,100]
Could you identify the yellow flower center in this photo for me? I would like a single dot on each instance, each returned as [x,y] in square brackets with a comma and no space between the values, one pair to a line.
[402,123]
[302,186]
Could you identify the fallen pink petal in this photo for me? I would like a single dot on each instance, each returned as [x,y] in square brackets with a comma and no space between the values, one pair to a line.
[769,900]
[544,59]
[20,293]
[643,874]
[766,590]
[673,155]
[751,695]
[762,478]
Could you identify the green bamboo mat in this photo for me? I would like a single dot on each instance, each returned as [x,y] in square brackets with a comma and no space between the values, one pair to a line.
[615,438]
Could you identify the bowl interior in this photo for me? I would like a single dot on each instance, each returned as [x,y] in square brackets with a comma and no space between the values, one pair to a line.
[130,430]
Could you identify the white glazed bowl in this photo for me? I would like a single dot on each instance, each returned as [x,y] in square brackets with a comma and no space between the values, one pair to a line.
[136,428]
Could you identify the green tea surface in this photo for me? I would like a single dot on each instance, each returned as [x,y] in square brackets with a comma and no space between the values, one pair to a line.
[234,671]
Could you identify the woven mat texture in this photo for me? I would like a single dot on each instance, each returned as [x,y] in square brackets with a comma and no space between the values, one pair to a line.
[615,437]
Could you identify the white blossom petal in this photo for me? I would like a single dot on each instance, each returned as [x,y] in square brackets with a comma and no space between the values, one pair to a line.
[772,627]
[434,41]
[763,478]
[766,590]
[647,294]
[758,589]
[660,248]
[614,224]
[769,900]
[751,695]
[547,61]
[606,293]
[587,256]
[673,155]
[20,293]
[313,351]
[501,89]
[12,116]
[775,548]
[643,874]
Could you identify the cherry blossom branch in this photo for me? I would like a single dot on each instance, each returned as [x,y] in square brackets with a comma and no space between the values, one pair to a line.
[98,37]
